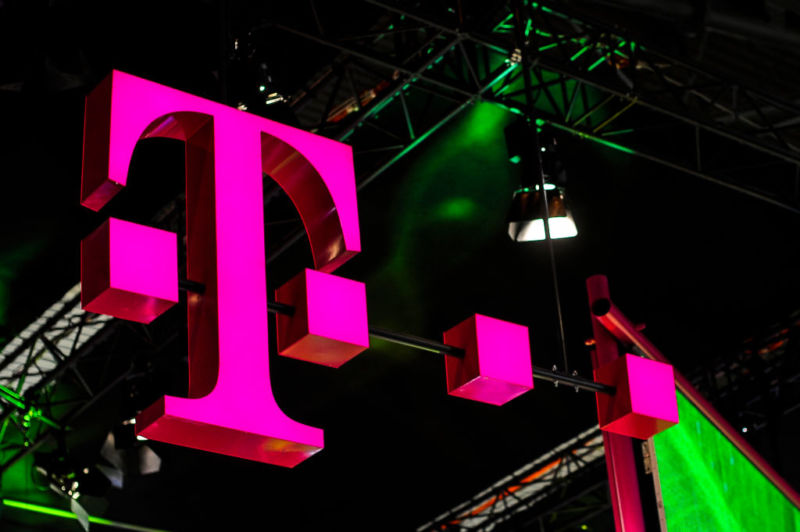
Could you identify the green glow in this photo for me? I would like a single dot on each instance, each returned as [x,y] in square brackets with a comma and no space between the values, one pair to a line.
[708,484]
[618,147]
[516,159]
[39,509]
[55,512]
[548,46]
[617,132]
[457,192]
[597,63]
[504,23]
[598,140]
[579,53]
[11,396]
[456,209]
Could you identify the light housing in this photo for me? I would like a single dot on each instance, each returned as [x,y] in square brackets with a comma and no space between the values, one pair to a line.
[525,223]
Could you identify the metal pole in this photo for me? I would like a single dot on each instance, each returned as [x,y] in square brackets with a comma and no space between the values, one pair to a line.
[432,346]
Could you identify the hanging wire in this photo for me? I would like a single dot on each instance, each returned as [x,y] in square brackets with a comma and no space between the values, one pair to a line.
[519,29]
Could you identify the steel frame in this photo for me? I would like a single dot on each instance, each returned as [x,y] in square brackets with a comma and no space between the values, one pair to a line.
[397,84]
[591,81]
[525,497]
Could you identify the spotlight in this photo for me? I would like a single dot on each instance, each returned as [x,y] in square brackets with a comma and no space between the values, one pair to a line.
[274,97]
[525,223]
[533,145]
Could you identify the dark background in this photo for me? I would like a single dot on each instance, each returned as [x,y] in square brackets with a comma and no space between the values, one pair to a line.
[703,267]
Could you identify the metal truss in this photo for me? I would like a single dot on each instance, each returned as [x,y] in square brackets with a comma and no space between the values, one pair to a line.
[61,365]
[49,351]
[409,74]
[536,494]
[759,385]
[38,356]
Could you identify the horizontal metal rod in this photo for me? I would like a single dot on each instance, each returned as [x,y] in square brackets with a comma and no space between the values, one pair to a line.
[573,380]
[191,286]
[432,346]
[789,155]
[408,340]
[280,308]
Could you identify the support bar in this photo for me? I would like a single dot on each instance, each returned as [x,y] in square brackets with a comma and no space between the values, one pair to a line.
[618,325]
[432,346]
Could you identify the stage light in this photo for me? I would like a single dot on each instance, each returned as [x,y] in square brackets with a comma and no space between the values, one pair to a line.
[533,145]
[525,218]
[274,97]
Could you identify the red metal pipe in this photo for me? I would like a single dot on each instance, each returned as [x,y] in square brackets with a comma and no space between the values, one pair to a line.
[614,321]
[623,481]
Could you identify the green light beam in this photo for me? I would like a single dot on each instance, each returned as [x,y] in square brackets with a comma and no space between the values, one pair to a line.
[433,129]
[579,52]
[55,512]
[597,63]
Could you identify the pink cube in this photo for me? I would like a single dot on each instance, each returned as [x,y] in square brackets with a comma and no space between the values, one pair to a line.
[129,271]
[329,324]
[497,363]
[644,403]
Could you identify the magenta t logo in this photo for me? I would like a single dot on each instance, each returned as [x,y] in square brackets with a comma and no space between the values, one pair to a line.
[130,271]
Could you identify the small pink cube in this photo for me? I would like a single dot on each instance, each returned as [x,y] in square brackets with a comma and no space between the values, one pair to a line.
[129,271]
[329,324]
[645,402]
[496,367]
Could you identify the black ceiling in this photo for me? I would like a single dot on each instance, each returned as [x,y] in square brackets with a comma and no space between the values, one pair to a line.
[702,265]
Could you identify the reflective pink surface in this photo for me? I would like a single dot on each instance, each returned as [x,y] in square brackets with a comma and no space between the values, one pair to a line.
[129,271]
[497,363]
[316,172]
[623,479]
[618,325]
[231,409]
[329,324]
[644,403]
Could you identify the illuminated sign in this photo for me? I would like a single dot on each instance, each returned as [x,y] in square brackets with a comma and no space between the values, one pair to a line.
[130,271]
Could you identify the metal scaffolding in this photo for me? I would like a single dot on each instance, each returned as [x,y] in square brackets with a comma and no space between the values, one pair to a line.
[561,489]
[402,80]
[391,88]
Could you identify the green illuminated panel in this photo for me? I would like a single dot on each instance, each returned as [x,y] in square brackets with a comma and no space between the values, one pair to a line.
[708,484]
